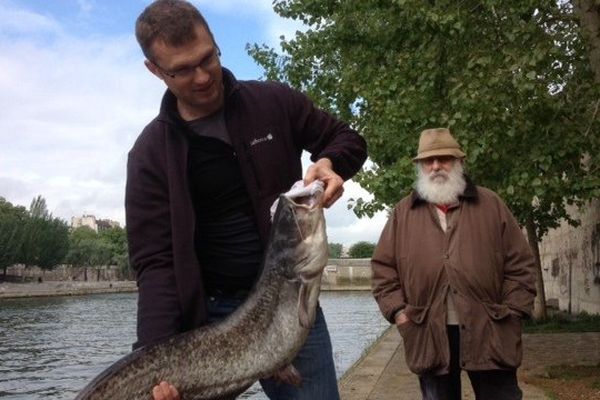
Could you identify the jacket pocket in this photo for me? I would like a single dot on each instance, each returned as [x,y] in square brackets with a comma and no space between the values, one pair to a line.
[422,347]
[505,346]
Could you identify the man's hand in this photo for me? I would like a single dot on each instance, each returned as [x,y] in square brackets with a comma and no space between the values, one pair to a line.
[400,318]
[289,375]
[323,170]
[165,391]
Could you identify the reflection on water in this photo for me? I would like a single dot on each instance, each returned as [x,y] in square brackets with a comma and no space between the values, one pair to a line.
[50,348]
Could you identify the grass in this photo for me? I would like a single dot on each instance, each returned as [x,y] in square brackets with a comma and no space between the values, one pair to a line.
[570,372]
[567,382]
[562,322]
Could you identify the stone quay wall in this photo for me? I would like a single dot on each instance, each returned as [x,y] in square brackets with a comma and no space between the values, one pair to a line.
[20,273]
[347,274]
[21,281]
[570,258]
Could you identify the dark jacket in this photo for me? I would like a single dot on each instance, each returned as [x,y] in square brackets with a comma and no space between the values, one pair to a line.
[269,125]
[482,257]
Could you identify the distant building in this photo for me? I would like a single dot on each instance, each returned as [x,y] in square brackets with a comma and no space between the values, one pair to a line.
[85,220]
[104,224]
[91,222]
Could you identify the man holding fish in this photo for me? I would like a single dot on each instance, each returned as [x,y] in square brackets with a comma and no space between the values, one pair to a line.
[202,177]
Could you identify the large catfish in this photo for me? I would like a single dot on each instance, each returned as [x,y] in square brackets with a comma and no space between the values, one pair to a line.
[263,335]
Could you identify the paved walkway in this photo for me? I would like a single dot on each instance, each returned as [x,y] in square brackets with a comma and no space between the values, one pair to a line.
[382,373]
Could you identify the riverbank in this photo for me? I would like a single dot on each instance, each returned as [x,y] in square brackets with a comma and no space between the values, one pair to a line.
[382,374]
[10,290]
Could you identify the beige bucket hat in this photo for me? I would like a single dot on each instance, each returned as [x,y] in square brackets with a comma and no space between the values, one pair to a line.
[438,142]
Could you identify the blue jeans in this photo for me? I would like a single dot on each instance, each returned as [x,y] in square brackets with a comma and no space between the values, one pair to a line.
[314,361]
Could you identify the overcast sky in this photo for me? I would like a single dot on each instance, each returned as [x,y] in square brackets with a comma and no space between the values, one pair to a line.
[74,95]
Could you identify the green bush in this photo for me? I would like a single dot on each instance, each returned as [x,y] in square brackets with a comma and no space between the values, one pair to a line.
[361,250]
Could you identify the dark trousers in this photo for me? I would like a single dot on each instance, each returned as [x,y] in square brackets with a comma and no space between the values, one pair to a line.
[487,385]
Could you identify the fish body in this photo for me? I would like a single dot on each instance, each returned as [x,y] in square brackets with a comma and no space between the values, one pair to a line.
[264,334]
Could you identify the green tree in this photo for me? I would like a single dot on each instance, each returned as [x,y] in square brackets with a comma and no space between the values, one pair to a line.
[55,239]
[38,208]
[12,220]
[116,238]
[512,80]
[87,249]
[588,12]
[361,250]
[45,238]
[335,250]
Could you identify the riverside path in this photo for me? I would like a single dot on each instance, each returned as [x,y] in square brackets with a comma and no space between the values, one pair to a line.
[382,374]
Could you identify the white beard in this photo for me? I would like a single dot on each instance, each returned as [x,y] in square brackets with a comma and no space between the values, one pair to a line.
[441,187]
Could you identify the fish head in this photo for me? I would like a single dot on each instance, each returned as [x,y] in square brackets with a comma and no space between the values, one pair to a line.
[299,225]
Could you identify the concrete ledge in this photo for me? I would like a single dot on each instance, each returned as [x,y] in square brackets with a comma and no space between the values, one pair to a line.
[66,288]
[327,287]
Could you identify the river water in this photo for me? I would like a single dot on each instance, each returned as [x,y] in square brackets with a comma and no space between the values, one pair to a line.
[51,347]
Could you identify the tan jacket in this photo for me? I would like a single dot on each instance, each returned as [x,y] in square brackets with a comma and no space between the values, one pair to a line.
[483,258]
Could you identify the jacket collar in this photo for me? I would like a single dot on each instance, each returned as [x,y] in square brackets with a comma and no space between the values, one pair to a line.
[470,194]
[168,106]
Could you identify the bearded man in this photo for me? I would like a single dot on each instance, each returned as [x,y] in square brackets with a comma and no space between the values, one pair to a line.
[453,271]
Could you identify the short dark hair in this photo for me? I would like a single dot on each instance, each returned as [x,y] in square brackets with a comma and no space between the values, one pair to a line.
[172,21]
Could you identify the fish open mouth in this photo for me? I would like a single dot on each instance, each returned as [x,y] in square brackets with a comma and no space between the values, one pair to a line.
[305,223]
[311,253]
[304,230]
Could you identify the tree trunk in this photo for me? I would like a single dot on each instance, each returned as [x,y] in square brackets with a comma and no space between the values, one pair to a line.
[589,21]
[4,274]
[539,305]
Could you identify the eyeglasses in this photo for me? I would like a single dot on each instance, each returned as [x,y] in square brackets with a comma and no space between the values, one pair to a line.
[188,72]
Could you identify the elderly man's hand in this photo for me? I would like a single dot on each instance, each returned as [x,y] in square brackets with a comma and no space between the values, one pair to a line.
[165,391]
[323,170]
[400,318]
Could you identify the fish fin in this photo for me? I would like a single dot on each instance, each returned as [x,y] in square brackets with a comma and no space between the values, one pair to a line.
[303,311]
[307,301]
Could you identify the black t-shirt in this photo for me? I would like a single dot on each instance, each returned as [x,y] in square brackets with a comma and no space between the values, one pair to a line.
[227,242]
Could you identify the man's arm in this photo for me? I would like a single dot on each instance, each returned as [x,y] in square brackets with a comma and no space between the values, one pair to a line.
[337,150]
[150,250]
[387,285]
[323,135]
[518,287]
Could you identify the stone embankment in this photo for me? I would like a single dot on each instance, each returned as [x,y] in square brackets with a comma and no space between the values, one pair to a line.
[339,274]
[63,288]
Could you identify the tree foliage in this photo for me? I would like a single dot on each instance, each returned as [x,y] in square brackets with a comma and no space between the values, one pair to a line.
[116,239]
[512,80]
[35,238]
[588,12]
[31,237]
[361,250]
[88,249]
[11,233]
[44,241]
[335,250]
